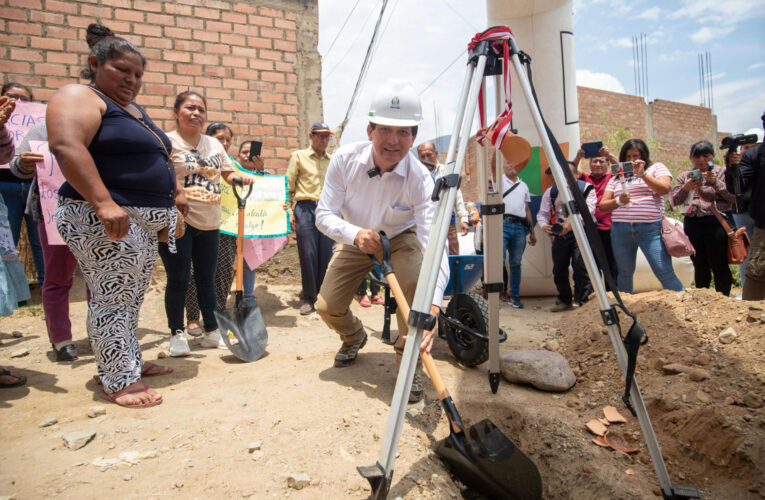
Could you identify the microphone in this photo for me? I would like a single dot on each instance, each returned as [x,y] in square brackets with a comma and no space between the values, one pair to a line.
[373,172]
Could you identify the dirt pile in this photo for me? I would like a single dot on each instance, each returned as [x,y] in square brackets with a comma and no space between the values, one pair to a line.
[703,390]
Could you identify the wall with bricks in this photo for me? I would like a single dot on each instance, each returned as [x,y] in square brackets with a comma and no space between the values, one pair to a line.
[255,61]
[668,127]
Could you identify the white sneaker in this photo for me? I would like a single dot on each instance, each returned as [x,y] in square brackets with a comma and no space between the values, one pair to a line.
[179,345]
[212,340]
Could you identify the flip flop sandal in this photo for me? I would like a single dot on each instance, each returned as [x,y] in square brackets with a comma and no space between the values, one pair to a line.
[150,369]
[7,385]
[113,397]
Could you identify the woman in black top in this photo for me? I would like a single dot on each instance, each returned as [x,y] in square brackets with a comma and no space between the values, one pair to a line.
[120,192]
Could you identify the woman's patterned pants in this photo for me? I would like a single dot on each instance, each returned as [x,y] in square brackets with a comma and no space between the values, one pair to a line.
[117,274]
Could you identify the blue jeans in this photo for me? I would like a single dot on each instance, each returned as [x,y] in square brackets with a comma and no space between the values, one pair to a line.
[15,196]
[248,280]
[744,220]
[202,248]
[514,244]
[626,238]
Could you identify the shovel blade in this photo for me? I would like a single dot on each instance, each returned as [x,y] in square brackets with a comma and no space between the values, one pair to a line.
[495,467]
[250,336]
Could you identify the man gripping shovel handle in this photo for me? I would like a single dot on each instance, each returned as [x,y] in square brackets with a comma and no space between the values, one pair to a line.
[483,458]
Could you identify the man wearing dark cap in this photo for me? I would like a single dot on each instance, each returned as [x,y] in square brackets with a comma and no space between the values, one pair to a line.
[305,177]
[751,171]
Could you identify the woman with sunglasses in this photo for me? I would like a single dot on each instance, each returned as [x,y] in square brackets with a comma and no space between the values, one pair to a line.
[120,191]
[200,162]
[15,190]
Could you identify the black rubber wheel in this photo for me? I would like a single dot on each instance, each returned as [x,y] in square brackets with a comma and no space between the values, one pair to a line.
[471,310]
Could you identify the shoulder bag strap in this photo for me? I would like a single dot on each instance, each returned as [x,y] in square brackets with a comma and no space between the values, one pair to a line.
[720,218]
[511,189]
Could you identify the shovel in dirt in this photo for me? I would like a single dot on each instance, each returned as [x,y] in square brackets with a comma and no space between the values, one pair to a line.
[482,457]
[242,327]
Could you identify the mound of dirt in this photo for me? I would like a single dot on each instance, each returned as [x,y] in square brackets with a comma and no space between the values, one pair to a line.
[704,392]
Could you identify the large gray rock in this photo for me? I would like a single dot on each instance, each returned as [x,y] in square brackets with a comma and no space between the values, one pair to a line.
[545,370]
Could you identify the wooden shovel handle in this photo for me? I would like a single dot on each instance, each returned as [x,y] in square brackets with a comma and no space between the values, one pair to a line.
[427,359]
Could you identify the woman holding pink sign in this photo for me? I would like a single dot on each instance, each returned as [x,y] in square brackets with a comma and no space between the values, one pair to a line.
[59,260]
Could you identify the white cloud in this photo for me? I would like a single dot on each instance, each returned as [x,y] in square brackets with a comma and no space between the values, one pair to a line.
[756,66]
[707,33]
[717,12]
[652,14]
[602,81]
[735,104]
[677,55]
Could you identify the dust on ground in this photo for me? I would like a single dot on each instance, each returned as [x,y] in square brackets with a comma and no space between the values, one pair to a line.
[307,417]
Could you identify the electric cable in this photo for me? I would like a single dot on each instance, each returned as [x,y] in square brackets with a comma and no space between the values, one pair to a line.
[363,72]
[459,56]
[351,46]
[460,15]
[326,54]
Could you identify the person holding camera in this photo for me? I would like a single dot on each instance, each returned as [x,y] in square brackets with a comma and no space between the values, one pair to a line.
[565,251]
[751,173]
[741,208]
[638,209]
[699,192]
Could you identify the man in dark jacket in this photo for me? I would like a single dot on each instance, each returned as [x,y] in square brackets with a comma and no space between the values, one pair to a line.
[752,174]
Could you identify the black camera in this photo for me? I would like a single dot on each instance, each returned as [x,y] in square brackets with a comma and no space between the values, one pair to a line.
[556,229]
[734,141]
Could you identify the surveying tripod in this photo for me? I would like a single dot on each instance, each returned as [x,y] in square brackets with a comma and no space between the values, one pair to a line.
[485,58]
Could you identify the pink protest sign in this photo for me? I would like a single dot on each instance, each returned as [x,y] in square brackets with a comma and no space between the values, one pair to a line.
[258,250]
[49,179]
[25,116]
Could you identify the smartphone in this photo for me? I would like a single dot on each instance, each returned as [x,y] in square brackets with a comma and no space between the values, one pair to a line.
[255,148]
[627,167]
[695,174]
[592,149]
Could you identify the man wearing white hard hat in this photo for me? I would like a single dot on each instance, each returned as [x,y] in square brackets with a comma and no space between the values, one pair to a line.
[371,186]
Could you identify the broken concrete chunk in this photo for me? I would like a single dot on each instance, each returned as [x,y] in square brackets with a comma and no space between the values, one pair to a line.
[298,481]
[77,439]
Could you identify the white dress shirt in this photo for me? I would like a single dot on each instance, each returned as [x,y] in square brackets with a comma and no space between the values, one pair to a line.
[393,202]
[545,207]
[515,202]
[459,204]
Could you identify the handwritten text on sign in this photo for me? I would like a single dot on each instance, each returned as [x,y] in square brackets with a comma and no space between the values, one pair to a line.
[25,116]
[49,179]
[264,215]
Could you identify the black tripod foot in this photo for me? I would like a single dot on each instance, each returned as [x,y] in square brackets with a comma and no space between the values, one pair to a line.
[494,382]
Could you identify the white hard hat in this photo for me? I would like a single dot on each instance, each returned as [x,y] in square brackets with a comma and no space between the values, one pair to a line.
[396,104]
[757,131]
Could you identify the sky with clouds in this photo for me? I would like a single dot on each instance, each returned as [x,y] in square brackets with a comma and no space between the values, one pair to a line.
[425,42]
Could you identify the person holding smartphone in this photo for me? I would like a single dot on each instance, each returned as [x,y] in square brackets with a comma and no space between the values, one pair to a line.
[637,212]
[599,177]
[696,190]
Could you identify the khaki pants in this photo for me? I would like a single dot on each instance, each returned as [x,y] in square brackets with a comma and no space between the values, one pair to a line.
[454,242]
[346,269]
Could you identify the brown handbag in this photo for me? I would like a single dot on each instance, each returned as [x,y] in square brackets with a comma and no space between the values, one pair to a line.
[738,240]
[180,229]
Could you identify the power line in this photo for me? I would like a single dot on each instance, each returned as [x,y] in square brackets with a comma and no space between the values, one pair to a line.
[363,72]
[459,56]
[461,16]
[326,54]
[351,46]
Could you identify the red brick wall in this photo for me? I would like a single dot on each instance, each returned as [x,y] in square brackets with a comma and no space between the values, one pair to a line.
[668,127]
[242,55]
